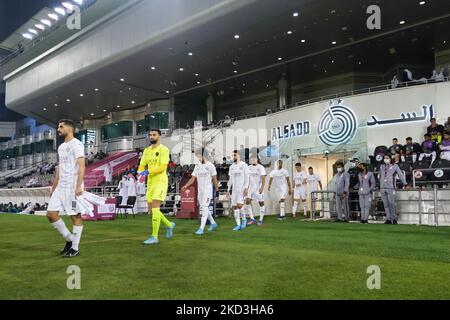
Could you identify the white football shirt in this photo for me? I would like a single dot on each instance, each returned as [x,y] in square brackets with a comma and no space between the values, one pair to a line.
[68,154]
[279,177]
[239,175]
[204,172]
[313,182]
[256,174]
[299,179]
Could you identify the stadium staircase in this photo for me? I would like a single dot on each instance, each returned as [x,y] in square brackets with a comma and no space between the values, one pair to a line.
[190,143]
[121,162]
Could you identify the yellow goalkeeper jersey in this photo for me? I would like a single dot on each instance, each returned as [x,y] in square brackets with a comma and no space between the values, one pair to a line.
[156,161]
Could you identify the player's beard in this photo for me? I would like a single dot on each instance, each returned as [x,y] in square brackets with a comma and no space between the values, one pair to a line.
[153,141]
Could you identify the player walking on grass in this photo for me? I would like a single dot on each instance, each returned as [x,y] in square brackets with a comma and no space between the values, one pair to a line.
[204,173]
[280,176]
[156,159]
[67,186]
[238,182]
[257,180]
[299,184]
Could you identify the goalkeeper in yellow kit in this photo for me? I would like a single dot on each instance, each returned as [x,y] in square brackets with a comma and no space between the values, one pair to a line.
[156,159]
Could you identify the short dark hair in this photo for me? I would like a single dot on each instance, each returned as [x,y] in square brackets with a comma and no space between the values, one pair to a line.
[409,138]
[432,119]
[156,130]
[298,164]
[68,122]
[427,135]
[394,139]
[339,164]
[310,168]
[235,151]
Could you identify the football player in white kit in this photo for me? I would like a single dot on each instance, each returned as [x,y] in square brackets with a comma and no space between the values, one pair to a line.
[68,185]
[238,182]
[299,184]
[280,176]
[314,184]
[204,173]
[257,180]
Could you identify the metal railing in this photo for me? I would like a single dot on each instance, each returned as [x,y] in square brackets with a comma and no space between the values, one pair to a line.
[21,171]
[327,202]
[343,94]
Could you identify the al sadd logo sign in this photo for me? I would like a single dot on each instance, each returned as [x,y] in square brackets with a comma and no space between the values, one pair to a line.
[337,125]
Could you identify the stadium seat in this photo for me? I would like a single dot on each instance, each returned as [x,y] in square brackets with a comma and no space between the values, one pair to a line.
[378,155]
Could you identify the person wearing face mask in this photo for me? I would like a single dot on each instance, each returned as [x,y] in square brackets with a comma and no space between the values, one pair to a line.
[388,175]
[366,185]
[342,183]
[257,180]
[123,189]
[280,176]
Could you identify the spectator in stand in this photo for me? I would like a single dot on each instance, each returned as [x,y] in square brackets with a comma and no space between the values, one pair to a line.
[411,150]
[435,130]
[171,163]
[445,146]
[429,149]
[447,125]
[397,158]
[396,148]
[394,82]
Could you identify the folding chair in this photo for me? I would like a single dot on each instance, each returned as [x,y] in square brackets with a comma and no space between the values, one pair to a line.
[131,201]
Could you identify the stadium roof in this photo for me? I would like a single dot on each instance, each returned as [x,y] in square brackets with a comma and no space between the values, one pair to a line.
[246,51]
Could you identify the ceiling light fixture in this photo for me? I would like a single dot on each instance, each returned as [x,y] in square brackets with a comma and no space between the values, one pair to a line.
[46,22]
[422,3]
[289,32]
[53,16]
[334,42]
[153,68]
[122,80]
[190,54]
[402,22]
[60,10]
[279,59]
[295,14]
[236,36]
[181,69]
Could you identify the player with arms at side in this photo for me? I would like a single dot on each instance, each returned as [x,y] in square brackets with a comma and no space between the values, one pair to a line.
[280,177]
[238,182]
[299,185]
[156,160]
[257,180]
[67,186]
[204,173]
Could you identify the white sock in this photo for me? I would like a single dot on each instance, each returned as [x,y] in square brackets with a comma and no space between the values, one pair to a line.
[237,216]
[282,206]
[211,218]
[204,211]
[62,229]
[262,213]
[249,209]
[305,209]
[244,218]
[77,230]
[294,208]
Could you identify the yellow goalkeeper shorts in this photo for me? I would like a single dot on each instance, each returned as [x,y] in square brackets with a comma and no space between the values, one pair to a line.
[157,189]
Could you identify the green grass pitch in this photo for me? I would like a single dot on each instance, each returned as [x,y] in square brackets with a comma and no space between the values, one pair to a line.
[280,260]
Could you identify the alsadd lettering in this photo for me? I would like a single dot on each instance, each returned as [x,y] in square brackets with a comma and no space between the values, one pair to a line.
[291,130]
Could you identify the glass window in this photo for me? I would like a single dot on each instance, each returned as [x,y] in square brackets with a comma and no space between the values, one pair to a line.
[117,130]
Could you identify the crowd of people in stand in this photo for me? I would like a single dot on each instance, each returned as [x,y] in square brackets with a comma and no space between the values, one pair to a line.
[28,208]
